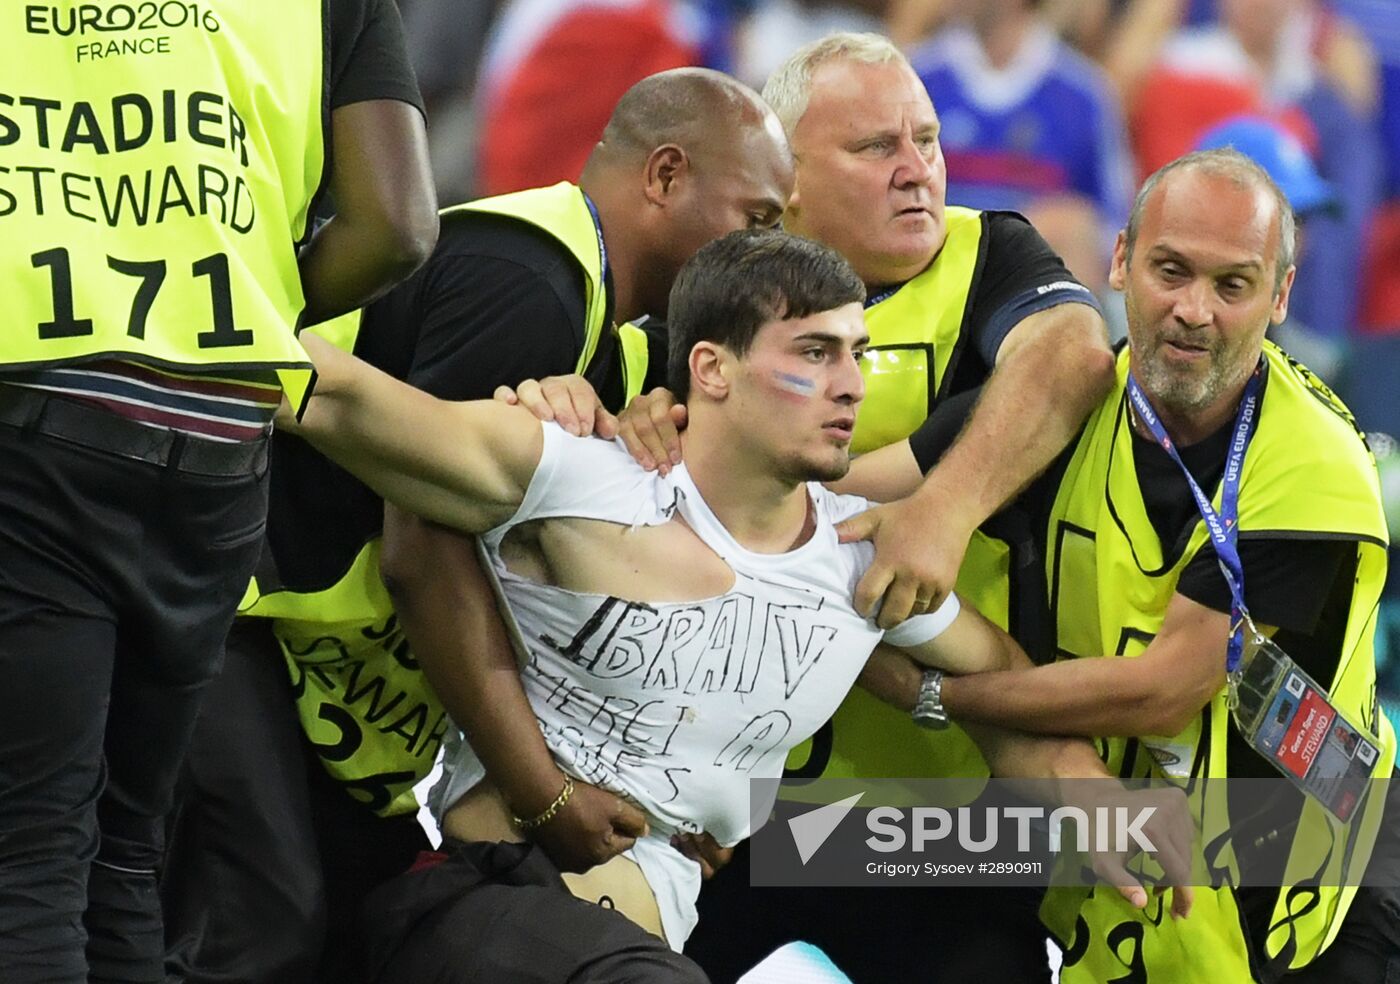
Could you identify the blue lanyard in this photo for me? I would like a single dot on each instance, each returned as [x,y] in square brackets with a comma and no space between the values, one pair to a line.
[885,294]
[598,229]
[1223,526]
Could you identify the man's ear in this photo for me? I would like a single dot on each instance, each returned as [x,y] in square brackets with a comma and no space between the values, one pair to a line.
[1118,271]
[709,370]
[794,202]
[1279,314]
[665,167]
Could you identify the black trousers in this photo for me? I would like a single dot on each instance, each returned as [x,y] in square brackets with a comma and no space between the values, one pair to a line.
[118,580]
[487,913]
[1367,947]
[270,859]
[875,935]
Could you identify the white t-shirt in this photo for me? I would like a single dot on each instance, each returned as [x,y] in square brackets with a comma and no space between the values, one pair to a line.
[676,706]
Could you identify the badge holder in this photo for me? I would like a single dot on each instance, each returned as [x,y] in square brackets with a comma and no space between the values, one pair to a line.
[1290,720]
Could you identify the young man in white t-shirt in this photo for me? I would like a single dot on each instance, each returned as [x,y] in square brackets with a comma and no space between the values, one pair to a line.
[679,633]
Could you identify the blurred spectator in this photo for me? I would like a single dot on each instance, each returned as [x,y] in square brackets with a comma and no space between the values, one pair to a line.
[1380,314]
[1296,61]
[1093,26]
[1379,22]
[775,29]
[1029,125]
[1374,395]
[554,70]
[908,22]
[1279,152]
[1081,23]
[447,40]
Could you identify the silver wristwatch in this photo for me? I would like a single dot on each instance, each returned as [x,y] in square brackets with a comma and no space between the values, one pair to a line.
[928,710]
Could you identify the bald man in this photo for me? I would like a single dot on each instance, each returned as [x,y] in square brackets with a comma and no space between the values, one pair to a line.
[520,286]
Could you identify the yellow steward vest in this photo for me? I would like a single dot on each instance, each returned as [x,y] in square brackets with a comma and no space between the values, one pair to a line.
[914,335]
[363,701]
[159,161]
[636,360]
[1306,471]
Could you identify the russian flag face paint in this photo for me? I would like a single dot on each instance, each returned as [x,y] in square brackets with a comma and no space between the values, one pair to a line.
[797,385]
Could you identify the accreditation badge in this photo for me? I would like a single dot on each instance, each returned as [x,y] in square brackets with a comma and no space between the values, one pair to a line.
[1292,722]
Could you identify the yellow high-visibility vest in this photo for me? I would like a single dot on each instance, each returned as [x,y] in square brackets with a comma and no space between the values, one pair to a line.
[1307,471]
[158,165]
[914,335]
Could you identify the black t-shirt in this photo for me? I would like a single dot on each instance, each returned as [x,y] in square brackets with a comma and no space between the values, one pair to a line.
[1016,275]
[368,56]
[1298,583]
[497,302]
[366,59]
[1287,581]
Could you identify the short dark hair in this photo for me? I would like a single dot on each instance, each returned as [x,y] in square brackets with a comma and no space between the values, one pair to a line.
[738,283]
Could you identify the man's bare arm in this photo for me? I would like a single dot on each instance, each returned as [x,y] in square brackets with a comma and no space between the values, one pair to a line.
[452,622]
[884,475]
[973,645]
[464,465]
[386,222]
[895,675]
[1051,370]
[1155,693]
[970,644]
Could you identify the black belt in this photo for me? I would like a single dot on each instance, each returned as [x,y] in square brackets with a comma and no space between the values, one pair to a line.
[90,426]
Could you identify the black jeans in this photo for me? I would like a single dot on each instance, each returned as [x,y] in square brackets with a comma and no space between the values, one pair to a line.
[485,913]
[270,858]
[118,581]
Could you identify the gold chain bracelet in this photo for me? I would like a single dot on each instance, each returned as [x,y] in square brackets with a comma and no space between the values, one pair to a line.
[550,811]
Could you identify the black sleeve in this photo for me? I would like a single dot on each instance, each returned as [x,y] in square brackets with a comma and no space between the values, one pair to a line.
[369,58]
[1021,275]
[937,434]
[495,304]
[1287,582]
[487,322]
